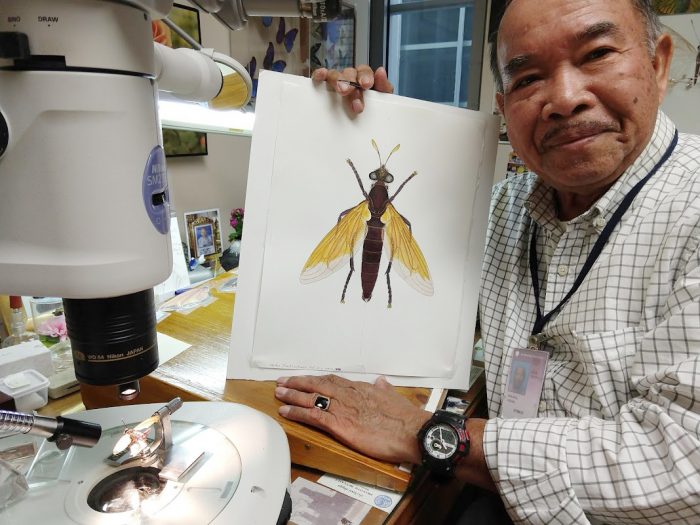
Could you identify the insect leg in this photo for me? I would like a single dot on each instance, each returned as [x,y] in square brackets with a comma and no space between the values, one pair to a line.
[343,214]
[352,269]
[388,283]
[403,184]
[408,223]
[359,180]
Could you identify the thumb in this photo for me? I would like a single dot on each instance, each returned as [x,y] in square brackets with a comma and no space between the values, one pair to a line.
[381,81]
[381,382]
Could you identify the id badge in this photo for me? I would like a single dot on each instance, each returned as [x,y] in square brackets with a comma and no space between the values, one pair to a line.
[525,380]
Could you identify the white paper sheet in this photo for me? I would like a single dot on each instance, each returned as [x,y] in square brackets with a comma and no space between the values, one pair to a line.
[298,184]
[179,277]
[169,347]
[314,504]
[382,499]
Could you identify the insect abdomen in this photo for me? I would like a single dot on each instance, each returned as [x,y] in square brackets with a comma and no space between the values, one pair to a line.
[371,256]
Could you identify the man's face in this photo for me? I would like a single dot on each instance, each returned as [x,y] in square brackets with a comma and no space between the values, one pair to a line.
[581,91]
[519,375]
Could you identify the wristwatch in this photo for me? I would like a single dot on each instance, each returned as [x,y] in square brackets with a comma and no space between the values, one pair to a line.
[443,442]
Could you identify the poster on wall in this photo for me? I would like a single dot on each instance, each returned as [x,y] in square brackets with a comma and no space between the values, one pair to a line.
[176,142]
[364,237]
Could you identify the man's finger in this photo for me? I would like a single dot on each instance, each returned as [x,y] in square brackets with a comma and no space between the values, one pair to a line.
[320,75]
[343,88]
[310,416]
[381,81]
[295,397]
[357,101]
[365,76]
[327,385]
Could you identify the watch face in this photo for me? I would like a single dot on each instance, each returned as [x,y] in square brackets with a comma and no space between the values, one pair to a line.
[441,441]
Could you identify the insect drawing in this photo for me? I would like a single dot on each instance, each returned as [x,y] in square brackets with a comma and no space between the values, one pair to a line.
[373,224]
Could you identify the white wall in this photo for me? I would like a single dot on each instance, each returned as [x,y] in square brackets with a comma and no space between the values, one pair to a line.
[216,180]
[682,103]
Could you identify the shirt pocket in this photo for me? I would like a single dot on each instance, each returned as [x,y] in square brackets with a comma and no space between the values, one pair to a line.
[607,359]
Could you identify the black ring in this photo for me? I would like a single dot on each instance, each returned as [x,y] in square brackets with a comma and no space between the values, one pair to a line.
[322,402]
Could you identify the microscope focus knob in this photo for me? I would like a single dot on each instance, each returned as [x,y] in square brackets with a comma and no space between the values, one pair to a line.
[14,45]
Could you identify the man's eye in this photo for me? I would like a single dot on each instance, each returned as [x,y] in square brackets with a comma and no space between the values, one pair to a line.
[598,53]
[524,82]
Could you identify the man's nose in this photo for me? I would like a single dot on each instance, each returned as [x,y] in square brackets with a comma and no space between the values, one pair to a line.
[568,93]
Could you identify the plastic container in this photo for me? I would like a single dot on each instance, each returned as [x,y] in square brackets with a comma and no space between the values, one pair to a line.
[48,319]
[29,389]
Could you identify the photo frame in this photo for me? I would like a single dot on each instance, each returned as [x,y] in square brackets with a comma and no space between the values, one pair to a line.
[181,143]
[203,233]
[184,143]
[332,43]
[676,7]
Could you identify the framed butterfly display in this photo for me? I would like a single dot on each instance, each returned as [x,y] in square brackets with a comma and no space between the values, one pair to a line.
[332,44]
[278,44]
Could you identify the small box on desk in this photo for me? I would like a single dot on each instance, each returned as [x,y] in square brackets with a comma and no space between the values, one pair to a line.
[24,356]
[29,389]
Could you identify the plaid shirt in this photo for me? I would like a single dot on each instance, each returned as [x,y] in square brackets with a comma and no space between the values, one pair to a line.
[617,437]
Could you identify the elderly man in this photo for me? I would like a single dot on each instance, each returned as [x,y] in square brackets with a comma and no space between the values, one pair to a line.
[595,261]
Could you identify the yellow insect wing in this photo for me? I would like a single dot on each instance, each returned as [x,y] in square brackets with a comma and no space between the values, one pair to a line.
[405,255]
[336,248]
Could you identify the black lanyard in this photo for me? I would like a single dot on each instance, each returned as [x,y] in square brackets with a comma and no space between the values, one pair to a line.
[542,320]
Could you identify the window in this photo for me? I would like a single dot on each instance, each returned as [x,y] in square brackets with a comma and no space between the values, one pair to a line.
[434,49]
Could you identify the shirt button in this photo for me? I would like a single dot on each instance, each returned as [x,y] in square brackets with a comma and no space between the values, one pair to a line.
[562,270]
[599,222]
[542,406]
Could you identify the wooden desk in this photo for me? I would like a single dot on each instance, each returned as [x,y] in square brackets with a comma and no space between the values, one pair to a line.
[199,373]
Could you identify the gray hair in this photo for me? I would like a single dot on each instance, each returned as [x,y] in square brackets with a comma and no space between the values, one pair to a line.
[645,8]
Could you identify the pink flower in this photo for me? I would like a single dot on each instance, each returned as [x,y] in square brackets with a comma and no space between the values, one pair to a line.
[54,327]
[234,222]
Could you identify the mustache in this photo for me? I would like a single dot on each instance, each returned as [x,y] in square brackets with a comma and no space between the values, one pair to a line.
[573,130]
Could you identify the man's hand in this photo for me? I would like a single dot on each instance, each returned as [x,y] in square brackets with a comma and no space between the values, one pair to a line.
[363,75]
[373,419]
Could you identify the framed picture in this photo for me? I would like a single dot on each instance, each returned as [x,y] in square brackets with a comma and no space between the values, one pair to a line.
[180,143]
[676,7]
[279,44]
[332,44]
[203,233]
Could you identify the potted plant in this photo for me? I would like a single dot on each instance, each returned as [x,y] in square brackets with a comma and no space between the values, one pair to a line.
[237,225]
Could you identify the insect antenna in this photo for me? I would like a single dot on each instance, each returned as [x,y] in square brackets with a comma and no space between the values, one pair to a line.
[396,148]
[376,148]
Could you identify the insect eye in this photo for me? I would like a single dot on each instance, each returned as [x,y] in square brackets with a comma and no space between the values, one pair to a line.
[373,175]
[389,178]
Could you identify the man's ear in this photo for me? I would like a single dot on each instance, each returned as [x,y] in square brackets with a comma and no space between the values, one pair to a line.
[499,102]
[662,62]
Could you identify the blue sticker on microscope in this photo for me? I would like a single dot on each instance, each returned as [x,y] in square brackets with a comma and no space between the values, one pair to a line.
[382,501]
[155,190]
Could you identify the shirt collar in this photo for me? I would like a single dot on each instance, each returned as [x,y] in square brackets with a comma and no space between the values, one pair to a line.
[541,204]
